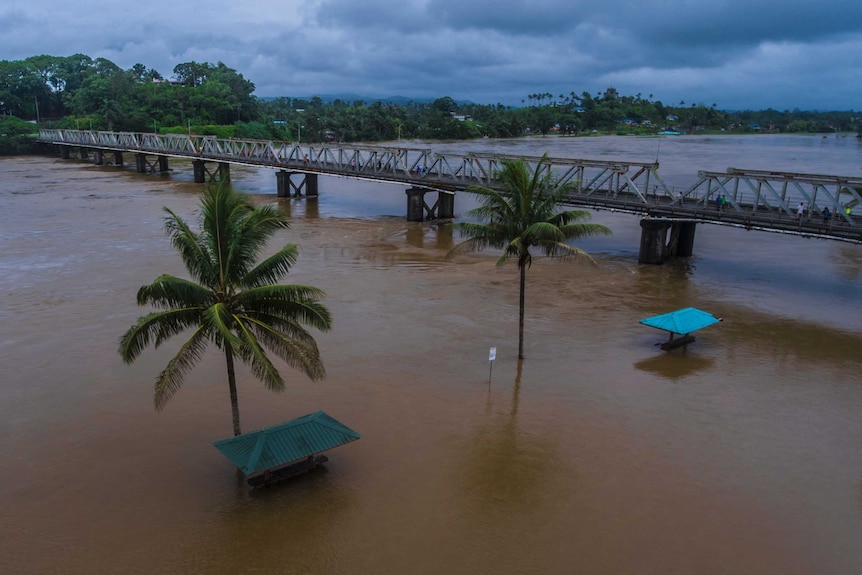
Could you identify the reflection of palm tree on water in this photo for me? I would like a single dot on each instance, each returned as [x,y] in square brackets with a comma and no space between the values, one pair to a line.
[506,468]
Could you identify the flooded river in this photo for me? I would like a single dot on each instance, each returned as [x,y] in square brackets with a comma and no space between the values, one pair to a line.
[598,454]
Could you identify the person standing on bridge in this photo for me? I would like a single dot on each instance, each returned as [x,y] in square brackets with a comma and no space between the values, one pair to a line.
[800,209]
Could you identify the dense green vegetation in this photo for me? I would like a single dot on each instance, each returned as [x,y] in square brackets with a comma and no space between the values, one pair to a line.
[80,92]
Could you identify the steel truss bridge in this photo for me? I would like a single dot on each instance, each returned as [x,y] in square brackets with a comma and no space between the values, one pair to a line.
[753,199]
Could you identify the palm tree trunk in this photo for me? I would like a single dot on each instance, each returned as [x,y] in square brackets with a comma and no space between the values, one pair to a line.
[231,381]
[523,269]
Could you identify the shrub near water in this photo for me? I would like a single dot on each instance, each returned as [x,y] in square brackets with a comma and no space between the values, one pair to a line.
[17,136]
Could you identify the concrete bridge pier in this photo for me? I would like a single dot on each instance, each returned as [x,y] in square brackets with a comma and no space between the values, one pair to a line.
[311,185]
[98,157]
[419,211]
[143,165]
[681,243]
[220,174]
[415,204]
[118,158]
[655,246]
[83,152]
[65,152]
[653,235]
[200,171]
[286,187]
[445,206]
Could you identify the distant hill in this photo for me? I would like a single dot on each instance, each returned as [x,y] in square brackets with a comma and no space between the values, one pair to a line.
[327,98]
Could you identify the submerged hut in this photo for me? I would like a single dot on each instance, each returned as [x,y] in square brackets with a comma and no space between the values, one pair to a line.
[275,453]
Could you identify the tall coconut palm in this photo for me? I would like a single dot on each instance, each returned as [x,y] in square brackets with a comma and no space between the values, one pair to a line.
[525,213]
[230,301]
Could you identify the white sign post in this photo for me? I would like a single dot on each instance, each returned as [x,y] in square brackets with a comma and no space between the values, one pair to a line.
[492,355]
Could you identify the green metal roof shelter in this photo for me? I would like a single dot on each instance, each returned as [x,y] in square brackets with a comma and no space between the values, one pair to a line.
[682,321]
[273,447]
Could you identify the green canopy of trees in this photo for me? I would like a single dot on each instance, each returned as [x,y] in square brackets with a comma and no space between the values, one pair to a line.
[80,92]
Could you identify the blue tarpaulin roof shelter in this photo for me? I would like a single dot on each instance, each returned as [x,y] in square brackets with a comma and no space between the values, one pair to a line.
[290,441]
[681,321]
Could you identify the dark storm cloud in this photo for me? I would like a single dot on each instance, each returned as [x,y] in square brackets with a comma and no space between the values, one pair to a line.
[731,52]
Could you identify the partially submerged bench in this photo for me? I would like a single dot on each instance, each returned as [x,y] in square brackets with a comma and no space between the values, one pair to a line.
[681,322]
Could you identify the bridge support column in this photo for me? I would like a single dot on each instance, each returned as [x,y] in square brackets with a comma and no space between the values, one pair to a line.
[84,154]
[655,245]
[99,157]
[282,184]
[222,173]
[681,242]
[286,187]
[311,185]
[163,163]
[653,234]
[419,211]
[65,152]
[141,163]
[416,205]
[118,158]
[200,170]
[445,205]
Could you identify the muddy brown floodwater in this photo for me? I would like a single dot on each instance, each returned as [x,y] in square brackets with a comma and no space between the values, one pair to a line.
[598,454]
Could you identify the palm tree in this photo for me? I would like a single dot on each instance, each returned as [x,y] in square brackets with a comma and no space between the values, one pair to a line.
[524,213]
[230,302]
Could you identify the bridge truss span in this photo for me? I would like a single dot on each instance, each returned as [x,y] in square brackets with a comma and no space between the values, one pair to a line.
[415,166]
[769,191]
[753,199]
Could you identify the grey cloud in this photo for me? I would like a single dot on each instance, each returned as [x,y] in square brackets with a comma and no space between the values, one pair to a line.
[730,52]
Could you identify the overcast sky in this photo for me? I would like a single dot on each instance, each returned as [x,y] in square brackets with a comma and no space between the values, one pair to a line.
[738,54]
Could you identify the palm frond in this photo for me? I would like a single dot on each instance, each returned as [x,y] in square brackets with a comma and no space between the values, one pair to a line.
[565,251]
[300,354]
[171,378]
[272,268]
[156,327]
[583,230]
[293,303]
[167,292]
[192,248]
[221,324]
[252,353]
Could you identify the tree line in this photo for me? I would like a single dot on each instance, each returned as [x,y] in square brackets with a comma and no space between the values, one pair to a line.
[78,92]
